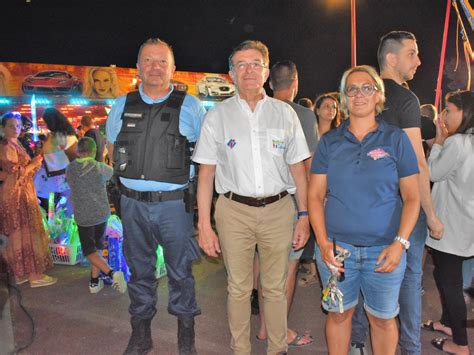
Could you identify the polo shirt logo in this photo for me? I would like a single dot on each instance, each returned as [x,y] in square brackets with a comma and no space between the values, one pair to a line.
[231,143]
[378,153]
[278,144]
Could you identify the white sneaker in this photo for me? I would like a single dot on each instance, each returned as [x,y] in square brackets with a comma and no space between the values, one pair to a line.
[95,288]
[119,282]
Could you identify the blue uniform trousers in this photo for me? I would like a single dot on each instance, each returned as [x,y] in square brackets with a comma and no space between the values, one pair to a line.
[145,226]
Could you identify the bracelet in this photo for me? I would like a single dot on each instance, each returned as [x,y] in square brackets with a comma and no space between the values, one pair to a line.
[403,241]
[302,213]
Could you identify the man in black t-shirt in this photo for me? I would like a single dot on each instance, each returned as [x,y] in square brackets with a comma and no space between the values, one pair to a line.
[398,60]
[87,125]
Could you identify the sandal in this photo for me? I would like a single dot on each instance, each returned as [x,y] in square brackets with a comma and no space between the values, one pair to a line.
[306,281]
[438,343]
[44,281]
[429,325]
[295,342]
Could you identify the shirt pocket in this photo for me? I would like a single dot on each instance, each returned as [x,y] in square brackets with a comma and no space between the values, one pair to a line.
[277,141]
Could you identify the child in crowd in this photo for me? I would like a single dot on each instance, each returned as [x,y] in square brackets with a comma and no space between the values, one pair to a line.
[87,178]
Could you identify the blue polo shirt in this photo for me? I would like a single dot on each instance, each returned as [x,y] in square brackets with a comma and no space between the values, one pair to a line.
[363,201]
[190,120]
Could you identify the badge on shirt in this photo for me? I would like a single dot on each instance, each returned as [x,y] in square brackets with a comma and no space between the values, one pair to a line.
[278,144]
[378,153]
[133,115]
[231,143]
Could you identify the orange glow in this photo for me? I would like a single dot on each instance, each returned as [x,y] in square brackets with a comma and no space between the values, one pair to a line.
[61,251]
[336,4]
[72,112]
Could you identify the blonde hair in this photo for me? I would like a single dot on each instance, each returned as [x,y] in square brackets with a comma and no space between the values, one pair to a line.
[378,84]
[90,90]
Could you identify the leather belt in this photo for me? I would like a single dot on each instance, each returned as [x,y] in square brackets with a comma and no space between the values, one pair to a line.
[255,202]
[152,196]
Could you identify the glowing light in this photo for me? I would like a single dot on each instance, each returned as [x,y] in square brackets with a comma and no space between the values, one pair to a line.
[110,102]
[79,102]
[61,251]
[160,263]
[50,207]
[4,101]
[336,4]
[40,101]
[33,118]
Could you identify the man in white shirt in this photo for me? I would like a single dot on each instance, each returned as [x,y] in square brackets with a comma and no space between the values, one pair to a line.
[254,147]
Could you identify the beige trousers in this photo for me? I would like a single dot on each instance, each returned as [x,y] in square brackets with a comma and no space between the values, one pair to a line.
[240,229]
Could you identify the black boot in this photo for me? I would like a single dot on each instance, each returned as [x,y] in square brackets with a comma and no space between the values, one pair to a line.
[140,342]
[186,335]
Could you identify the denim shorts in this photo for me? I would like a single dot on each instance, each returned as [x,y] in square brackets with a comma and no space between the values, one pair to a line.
[379,289]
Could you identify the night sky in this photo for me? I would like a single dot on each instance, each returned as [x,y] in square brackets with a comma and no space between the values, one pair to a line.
[315,34]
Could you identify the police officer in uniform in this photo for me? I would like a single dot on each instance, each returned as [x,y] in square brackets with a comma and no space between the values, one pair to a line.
[151,133]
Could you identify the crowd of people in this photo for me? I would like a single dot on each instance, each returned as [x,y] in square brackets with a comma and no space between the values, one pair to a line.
[344,182]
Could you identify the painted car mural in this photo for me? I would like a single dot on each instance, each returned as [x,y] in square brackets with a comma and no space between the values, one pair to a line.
[215,86]
[56,82]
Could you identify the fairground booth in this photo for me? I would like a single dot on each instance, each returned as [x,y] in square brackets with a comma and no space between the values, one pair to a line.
[82,90]
[76,91]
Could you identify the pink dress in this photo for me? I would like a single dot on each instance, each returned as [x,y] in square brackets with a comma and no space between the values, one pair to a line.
[20,219]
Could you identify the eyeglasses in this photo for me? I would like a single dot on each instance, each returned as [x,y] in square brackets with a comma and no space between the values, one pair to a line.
[365,90]
[242,66]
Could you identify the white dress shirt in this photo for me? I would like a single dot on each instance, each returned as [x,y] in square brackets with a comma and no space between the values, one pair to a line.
[452,171]
[252,149]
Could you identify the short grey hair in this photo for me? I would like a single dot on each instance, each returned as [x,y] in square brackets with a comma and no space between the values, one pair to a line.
[154,41]
[251,44]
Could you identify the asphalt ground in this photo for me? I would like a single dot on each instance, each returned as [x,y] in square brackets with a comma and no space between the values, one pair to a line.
[70,320]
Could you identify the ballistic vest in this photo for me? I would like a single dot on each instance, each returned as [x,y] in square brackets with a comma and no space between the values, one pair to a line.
[149,145]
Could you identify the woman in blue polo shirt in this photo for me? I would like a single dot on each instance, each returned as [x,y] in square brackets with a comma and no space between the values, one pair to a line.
[364,194]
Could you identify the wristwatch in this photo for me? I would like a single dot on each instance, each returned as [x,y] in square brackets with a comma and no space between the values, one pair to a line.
[405,243]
